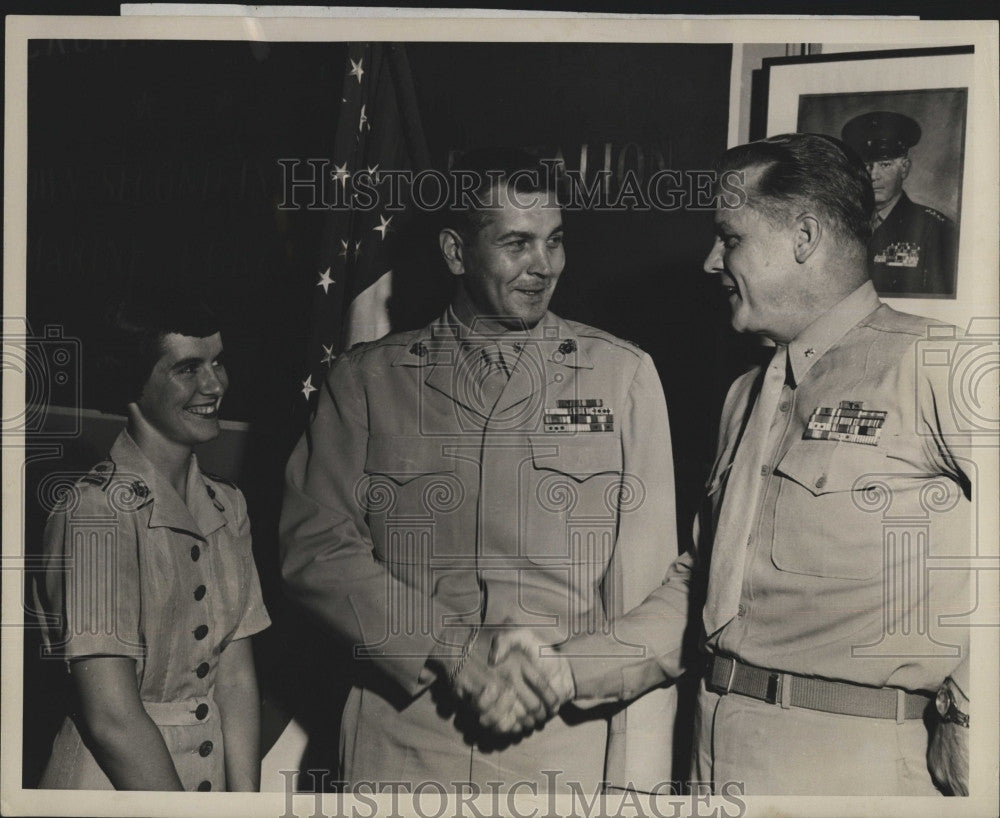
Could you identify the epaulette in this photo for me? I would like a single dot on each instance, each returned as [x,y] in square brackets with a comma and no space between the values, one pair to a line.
[100,475]
[215,478]
[585,331]
[930,211]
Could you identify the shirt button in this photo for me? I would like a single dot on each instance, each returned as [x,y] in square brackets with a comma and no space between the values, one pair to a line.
[201,632]
[764,470]
[195,552]
[205,749]
[821,482]
[199,593]
[201,711]
[203,669]
[205,786]
[783,406]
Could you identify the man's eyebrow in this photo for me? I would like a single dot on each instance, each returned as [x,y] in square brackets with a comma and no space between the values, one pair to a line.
[514,234]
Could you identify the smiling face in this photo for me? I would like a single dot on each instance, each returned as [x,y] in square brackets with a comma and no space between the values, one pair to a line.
[887,178]
[754,257]
[181,398]
[508,270]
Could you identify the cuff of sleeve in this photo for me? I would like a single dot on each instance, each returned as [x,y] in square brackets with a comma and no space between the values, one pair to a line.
[960,676]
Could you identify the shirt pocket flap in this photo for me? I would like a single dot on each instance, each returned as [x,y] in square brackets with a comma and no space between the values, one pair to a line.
[579,456]
[406,457]
[822,467]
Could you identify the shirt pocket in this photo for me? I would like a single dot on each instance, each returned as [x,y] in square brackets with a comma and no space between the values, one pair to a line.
[824,523]
[573,491]
[409,494]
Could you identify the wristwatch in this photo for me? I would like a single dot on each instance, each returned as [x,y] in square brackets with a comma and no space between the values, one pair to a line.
[947,708]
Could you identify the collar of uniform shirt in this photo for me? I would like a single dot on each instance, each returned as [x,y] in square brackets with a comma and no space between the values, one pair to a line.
[489,332]
[884,211]
[814,341]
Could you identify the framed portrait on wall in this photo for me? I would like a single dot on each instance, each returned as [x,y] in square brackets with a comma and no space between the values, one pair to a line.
[905,113]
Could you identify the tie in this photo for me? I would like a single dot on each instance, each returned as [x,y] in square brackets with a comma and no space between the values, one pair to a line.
[491,374]
[739,503]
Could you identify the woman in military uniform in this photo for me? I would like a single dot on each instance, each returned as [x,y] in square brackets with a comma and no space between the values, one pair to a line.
[149,587]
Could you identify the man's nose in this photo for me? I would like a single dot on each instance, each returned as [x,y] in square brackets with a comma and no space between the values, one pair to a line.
[541,263]
[713,261]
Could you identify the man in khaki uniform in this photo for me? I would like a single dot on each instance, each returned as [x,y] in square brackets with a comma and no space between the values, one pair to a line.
[500,467]
[839,484]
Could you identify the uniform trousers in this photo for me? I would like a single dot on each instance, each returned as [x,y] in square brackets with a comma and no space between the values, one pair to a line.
[796,751]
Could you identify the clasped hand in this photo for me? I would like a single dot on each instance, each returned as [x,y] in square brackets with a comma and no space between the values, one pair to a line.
[508,682]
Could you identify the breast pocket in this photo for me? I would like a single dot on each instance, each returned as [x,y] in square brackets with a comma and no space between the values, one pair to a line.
[410,490]
[827,521]
[573,490]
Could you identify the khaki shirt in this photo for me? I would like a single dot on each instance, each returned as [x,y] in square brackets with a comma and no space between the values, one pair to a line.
[856,559]
[419,502]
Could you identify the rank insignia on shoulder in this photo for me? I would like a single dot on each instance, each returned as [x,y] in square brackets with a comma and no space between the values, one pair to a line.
[850,422]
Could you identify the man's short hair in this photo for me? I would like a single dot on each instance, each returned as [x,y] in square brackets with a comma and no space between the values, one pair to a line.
[476,175]
[800,168]
[132,339]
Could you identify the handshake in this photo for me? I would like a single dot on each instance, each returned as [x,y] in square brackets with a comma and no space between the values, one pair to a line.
[506,682]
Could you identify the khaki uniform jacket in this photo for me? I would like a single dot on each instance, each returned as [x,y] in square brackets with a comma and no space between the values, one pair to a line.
[414,507]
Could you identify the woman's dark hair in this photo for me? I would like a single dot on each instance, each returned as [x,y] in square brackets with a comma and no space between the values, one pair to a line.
[132,340]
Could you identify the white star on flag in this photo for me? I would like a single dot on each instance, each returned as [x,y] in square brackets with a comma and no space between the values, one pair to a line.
[343,249]
[373,172]
[308,388]
[328,355]
[357,249]
[357,70]
[341,174]
[325,281]
[382,228]
[363,120]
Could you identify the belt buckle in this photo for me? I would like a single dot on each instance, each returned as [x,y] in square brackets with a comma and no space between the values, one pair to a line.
[773,692]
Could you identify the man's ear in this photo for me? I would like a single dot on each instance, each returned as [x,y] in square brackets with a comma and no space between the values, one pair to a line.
[453,250]
[808,232]
[907,164]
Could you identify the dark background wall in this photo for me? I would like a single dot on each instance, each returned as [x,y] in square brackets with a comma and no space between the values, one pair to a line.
[151,160]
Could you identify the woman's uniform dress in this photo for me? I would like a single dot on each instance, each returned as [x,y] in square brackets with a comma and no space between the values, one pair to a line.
[133,570]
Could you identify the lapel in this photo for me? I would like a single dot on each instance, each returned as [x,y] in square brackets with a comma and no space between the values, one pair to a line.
[550,351]
[159,498]
[202,501]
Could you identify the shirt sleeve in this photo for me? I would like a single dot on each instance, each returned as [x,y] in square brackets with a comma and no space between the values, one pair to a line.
[254,618]
[644,646]
[88,589]
[327,556]
[950,499]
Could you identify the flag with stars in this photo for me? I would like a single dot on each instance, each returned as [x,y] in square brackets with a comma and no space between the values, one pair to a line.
[378,130]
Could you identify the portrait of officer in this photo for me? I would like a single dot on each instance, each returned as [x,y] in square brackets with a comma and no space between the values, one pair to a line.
[819,678]
[501,467]
[913,248]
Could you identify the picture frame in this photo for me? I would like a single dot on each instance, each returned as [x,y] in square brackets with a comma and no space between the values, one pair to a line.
[913,104]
